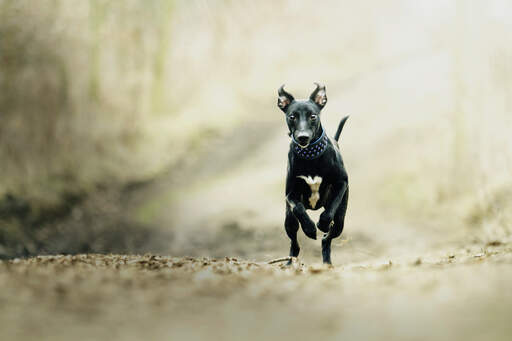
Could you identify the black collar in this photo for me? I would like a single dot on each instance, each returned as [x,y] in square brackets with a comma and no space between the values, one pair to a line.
[313,150]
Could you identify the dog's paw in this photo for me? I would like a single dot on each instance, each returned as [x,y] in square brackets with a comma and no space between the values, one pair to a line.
[309,228]
[324,223]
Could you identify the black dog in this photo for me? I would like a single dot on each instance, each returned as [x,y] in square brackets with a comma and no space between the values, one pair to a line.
[316,175]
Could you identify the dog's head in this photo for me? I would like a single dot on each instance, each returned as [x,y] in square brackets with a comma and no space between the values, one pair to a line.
[303,116]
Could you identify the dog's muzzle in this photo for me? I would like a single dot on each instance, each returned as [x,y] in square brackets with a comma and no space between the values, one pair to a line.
[303,140]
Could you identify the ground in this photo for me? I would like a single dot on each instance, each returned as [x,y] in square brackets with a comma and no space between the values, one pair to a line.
[462,296]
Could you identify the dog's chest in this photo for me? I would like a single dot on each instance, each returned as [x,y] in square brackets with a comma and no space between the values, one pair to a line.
[314,183]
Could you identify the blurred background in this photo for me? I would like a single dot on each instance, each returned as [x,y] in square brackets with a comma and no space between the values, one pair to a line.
[151,126]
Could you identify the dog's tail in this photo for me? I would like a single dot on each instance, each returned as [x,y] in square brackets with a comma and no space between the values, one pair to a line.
[340,128]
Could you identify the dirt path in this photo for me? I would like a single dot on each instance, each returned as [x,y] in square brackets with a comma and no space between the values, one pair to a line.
[463,296]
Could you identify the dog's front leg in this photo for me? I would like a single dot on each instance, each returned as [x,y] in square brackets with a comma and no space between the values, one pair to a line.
[291,225]
[333,210]
[299,211]
[330,209]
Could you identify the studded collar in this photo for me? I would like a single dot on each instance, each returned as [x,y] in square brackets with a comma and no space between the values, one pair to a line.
[313,150]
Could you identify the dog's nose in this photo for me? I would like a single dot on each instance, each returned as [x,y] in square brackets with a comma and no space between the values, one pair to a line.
[303,140]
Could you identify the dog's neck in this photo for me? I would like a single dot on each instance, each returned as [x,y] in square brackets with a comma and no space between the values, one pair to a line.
[314,149]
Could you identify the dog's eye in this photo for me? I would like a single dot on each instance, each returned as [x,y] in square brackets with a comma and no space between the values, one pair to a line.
[291,118]
[313,117]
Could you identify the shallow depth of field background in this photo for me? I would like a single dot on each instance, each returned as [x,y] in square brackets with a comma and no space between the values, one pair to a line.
[136,126]
[141,144]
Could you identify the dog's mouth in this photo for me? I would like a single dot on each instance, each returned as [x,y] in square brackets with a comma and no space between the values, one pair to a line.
[303,146]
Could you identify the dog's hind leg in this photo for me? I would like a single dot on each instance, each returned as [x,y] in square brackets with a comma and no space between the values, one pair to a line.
[291,225]
[335,230]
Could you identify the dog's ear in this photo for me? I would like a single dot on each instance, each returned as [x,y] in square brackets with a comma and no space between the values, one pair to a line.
[319,97]
[284,99]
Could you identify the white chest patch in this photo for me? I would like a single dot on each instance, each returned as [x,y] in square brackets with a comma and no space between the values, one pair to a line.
[314,184]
